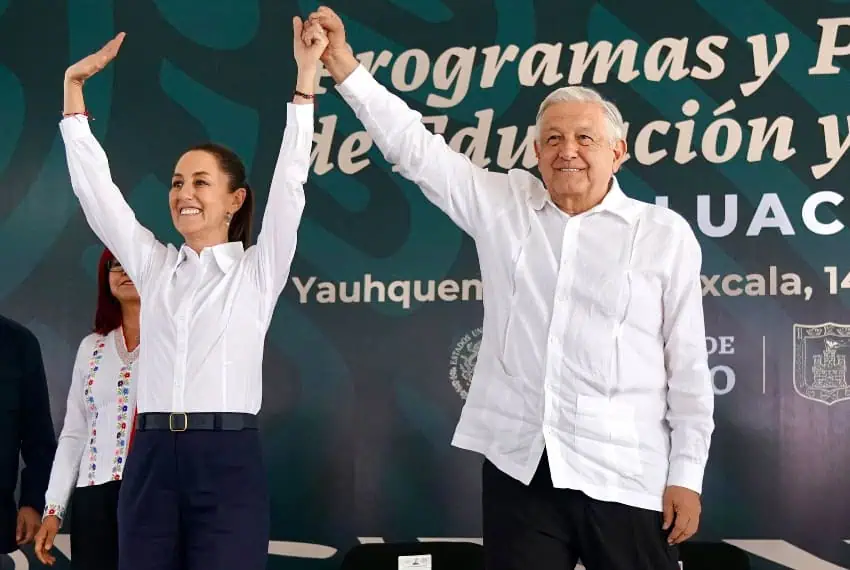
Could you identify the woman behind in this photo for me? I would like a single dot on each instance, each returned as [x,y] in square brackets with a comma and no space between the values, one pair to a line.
[98,428]
[194,493]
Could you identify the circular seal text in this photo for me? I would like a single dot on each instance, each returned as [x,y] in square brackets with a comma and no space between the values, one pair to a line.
[462,362]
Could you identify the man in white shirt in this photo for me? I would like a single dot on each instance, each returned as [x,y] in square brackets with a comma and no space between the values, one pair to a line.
[591,399]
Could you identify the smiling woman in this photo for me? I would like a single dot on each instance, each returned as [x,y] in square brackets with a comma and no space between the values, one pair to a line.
[92,450]
[207,307]
[210,199]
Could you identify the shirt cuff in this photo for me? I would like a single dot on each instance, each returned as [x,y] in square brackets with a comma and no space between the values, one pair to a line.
[302,113]
[74,127]
[357,85]
[686,474]
[54,509]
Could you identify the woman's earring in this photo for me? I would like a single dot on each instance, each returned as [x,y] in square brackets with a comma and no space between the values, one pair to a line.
[227,218]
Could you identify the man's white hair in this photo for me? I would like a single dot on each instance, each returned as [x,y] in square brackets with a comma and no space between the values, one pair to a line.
[616,126]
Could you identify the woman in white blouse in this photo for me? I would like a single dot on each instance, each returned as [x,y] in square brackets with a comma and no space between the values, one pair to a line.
[98,428]
[194,493]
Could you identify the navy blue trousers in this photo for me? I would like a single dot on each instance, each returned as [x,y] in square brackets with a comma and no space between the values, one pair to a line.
[194,500]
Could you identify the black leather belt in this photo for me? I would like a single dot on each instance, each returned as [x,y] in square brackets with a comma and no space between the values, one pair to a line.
[196,421]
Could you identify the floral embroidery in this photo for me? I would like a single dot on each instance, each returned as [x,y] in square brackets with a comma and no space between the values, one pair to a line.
[123,421]
[94,366]
[54,509]
[122,427]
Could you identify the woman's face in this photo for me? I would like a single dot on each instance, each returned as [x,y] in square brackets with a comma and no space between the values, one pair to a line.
[120,284]
[200,199]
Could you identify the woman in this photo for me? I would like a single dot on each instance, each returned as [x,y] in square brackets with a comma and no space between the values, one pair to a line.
[97,430]
[194,493]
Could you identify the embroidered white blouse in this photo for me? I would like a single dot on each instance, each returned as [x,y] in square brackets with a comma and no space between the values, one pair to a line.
[98,419]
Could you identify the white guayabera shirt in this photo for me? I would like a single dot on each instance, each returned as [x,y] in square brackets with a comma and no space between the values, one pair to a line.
[594,339]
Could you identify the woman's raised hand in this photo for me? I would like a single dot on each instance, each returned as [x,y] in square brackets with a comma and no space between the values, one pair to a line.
[91,64]
[308,43]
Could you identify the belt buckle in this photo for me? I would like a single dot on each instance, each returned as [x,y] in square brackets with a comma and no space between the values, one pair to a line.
[171,421]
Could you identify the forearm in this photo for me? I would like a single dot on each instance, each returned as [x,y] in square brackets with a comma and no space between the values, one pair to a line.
[305,83]
[340,64]
[69,451]
[35,476]
[447,178]
[64,473]
[690,416]
[38,440]
[690,392]
[282,217]
[103,204]
[74,102]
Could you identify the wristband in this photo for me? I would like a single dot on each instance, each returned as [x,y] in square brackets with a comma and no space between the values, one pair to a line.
[84,114]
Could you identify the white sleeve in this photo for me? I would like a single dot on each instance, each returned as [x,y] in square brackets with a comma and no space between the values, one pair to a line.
[278,234]
[108,214]
[72,440]
[470,195]
[690,394]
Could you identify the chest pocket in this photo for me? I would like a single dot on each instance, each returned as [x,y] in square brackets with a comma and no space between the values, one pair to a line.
[533,278]
[643,306]
[644,286]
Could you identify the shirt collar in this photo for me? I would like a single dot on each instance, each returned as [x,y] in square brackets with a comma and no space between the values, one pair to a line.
[615,201]
[224,254]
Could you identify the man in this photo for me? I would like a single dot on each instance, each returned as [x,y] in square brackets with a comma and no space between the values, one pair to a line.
[591,398]
[26,431]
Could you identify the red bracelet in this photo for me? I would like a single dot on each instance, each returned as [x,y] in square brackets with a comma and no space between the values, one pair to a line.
[310,97]
[84,114]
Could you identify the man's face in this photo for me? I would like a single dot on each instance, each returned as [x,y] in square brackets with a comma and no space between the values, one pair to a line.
[574,153]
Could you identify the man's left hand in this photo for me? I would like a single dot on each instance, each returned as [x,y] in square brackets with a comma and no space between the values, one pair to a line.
[681,510]
[29,521]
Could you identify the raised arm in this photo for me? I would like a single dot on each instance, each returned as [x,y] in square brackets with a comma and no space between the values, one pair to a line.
[278,234]
[468,194]
[106,211]
[690,394]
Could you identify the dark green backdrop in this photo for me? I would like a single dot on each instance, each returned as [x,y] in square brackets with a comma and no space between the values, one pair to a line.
[359,401]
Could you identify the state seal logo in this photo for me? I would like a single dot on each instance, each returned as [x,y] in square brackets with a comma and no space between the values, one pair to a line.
[820,362]
[462,362]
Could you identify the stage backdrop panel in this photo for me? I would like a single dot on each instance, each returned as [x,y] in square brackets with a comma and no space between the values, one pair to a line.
[737,118]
